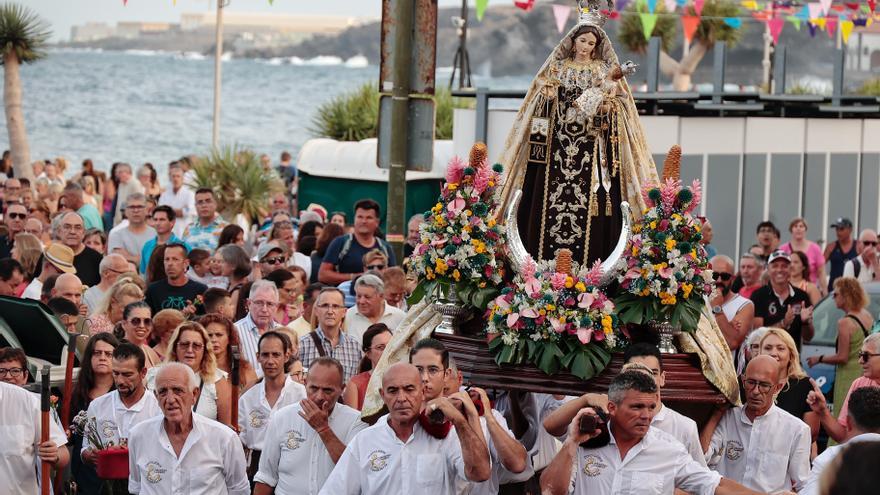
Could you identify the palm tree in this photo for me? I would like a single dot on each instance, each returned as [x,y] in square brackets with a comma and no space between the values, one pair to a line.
[710,30]
[23,37]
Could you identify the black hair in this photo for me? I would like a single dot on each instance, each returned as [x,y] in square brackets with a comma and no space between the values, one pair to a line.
[864,409]
[133,306]
[61,306]
[204,190]
[309,228]
[770,225]
[285,340]
[433,344]
[167,210]
[638,381]
[9,266]
[228,235]
[127,350]
[279,276]
[212,297]
[854,471]
[642,349]
[332,363]
[369,335]
[86,377]
[48,285]
[312,289]
[177,245]
[368,204]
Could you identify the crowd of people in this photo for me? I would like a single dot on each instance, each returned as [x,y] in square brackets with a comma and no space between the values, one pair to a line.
[231,359]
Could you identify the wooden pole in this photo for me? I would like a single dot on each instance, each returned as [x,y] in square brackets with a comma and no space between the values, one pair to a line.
[236,382]
[46,472]
[68,380]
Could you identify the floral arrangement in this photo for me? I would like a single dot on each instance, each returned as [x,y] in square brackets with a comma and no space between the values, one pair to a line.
[555,316]
[460,237]
[666,272]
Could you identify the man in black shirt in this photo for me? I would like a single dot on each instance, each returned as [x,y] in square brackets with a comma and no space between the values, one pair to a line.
[177,291]
[779,304]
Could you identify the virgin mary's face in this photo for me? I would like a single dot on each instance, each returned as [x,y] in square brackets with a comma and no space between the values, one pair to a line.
[584,45]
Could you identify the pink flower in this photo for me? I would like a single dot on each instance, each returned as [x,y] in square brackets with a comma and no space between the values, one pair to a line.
[667,194]
[455,207]
[421,249]
[569,302]
[529,313]
[697,190]
[557,280]
[529,268]
[584,335]
[633,274]
[585,300]
[501,302]
[455,170]
[664,224]
[533,287]
[557,325]
[456,240]
[666,272]
[595,274]
[512,318]
[599,336]
[481,181]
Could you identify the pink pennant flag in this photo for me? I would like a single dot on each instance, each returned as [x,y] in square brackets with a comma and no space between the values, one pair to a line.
[689,24]
[815,10]
[561,13]
[670,5]
[698,7]
[826,6]
[775,26]
[830,26]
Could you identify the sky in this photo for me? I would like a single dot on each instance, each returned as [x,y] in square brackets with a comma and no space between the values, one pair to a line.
[63,14]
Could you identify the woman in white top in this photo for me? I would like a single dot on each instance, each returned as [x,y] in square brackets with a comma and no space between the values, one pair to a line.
[190,345]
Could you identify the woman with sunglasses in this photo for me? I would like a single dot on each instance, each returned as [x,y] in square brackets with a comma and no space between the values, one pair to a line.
[800,276]
[869,360]
[375,339]
[852,330]
[137,321]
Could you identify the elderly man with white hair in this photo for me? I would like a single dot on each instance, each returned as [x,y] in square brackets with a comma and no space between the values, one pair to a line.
[110,268]
[182,452]
[260,318]
[371,308]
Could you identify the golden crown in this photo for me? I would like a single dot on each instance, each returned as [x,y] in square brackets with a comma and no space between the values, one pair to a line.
[590,12]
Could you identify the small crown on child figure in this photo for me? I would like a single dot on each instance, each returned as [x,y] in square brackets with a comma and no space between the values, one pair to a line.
[590,13]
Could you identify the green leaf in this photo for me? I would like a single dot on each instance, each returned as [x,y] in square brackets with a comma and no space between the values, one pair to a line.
[482,297]
[533,348]
[417,294]
[548,361]
[506,354]
[690,317]
[465,292]
[582,367]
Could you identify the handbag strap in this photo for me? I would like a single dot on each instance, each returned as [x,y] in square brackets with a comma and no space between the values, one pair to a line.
[318,344]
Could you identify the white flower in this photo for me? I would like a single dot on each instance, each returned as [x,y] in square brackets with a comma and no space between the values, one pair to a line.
[509,338]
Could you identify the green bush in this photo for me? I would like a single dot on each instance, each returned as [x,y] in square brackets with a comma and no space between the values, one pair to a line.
[870,88]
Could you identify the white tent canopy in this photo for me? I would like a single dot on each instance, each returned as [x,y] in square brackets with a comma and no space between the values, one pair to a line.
[357,160]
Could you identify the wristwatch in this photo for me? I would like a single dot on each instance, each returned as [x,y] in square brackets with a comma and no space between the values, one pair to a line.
[716,310]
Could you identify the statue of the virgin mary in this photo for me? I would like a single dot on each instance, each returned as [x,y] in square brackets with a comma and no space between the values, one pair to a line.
[577,148]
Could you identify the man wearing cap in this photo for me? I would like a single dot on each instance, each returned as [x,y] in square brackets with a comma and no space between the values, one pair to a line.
[57,259]
[840,251]
[780,304]
[271,255]
[864,266]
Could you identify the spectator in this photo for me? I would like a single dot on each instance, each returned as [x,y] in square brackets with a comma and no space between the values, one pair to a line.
[14,221]
[282,232]
[190,345]
[799,242]
[852,330]
[73,200]
[231,234]
[110,268]
[129,241]
[375,339]
[11,191]
[394,279]
[707,234]
[290,289]
[156,265]
[288,173]
[303,325]
[126,186]
[68,286]
[28,251]
[164,323]
[339,218]
[330,232]
[13,366]
[841,250]
[312,228]
[344,258]
[733,312]
[97,240]
[236,267]
[147,177]
[11,277]
[137,321]
[864,266]
[413,238]
[179,197]
[109,311]
[863,420]
[57,259]
[751,271]
[218,301]
[214,463]
[767,236]
[371,308]
[90,194]
[262,301]
[222,334]
[164,220]
[374,261]
[781,305]
[200,267]
[328,339]
[205,231]
[800,268]
[176,291]
[85,259]
[271,255]
[275,391]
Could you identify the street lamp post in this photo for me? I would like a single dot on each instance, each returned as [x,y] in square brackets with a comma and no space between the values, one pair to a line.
[218,65]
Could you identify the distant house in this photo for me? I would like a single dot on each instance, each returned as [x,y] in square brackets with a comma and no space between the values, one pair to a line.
[863,50]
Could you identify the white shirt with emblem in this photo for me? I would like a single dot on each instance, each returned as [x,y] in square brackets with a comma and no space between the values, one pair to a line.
[500,474]
[294,459]
[683,429]
[820,463]
[115,421]
[656,465]
[770,454]
[254,410]
[210,463]
[379,463]
[20,439]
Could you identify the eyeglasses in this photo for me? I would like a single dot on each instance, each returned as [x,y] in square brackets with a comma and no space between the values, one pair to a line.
[68,226]
[375,267]
[864,355]
[721,275]
[430,370]
[333,307]
[263,304]
[20,216]
[12,372]
[763,387]
[147,322]
[195,346]
[278,260]
[869,243]
[135,207]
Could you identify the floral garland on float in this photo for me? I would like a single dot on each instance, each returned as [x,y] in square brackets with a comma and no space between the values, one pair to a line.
[666,273]
[457,256]
[555,315]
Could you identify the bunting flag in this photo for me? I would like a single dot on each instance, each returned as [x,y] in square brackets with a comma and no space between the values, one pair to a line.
[698,7]
[819,23]
[812,29]
[652,6]
[803,14]
[648,23]
[860,22]
[830,26]
[670,5]
[826,6]
[775,26]
[526,5]
[611,14]
[561,13]
[125,3]
[846,28]
[852,5]
[734,22]
[681,3]
[872,4]
[750,4]
[481,8]
[689,24]
[795,21]
[815,10]
[838,8]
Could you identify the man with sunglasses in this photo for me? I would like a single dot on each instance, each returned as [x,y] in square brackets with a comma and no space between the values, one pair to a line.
[780,304]
[14,221]
[271,255]
[758,444]
[864,266]
[733,312]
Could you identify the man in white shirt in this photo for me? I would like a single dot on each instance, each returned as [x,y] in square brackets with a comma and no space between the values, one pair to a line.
[758,444]
[182,452]
[180,198]
[57,259]
[117,412]
[863,425]
[129,241]
[112,265]
[733,312]
[20,446]
[370,308]
[304,441]
[260,402]
[637,458]
[397,456]
[260,318]
[864,266]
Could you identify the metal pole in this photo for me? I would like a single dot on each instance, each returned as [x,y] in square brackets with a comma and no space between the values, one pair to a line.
[465,72]
[396,221]
[218,64]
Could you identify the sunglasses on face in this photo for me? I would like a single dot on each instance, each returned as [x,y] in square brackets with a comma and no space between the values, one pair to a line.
[722,276]
[20,216]
[278,260]
[869,243]
[147,322]
[865,356]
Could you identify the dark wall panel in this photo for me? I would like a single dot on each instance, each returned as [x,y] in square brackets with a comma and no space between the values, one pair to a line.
[722,186]
[869,190]
[754,172]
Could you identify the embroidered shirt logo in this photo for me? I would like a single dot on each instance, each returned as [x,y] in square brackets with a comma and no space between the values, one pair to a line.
[154,472]
[378,460]
[108,428]
[257,419]
[593,465]
[734,450]
[294,439]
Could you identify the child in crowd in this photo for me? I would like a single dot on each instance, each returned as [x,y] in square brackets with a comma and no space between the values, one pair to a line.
[202,269]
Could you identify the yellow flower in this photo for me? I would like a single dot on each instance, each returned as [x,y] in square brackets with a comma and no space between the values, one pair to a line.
[653,225]
[676,216]
[441,267]
[637,228]
[550,307]
[542,312]
[479,246]
[569,282]
[452,186]
[580,286]
[468,213]
[491,183]
[482,284]
[429,273]
[670,244]
[645,292]
[635,251]
[466,228]
[456,275]
[687,288]
[667,299]
[437,208]
[490,223]
[606,324]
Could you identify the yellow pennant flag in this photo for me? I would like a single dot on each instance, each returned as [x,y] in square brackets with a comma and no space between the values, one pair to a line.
[750,4]
[819,23]
[846,28]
